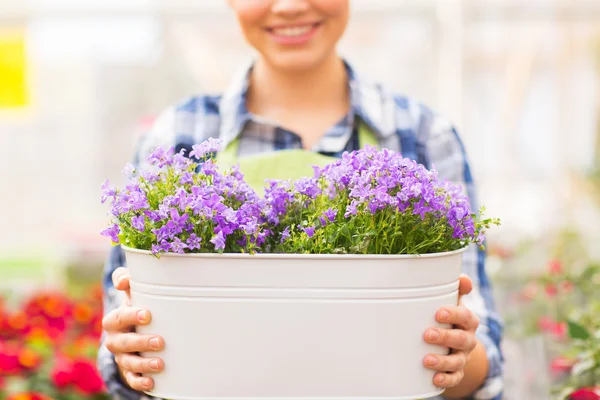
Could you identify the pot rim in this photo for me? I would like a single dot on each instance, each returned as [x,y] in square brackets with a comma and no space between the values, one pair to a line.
[288,256]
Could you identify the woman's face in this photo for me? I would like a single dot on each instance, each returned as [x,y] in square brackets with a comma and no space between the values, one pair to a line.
[292,34]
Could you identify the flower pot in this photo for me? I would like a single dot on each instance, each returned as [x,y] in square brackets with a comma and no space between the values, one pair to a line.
[285,326]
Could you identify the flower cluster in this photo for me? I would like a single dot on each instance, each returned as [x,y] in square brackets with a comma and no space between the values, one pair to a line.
[368,202]
[375,202]
[48,347]
[187,205]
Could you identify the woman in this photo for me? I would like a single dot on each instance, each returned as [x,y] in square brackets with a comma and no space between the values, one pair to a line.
[299,94]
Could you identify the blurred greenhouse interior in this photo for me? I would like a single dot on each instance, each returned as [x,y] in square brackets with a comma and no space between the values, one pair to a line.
[81,80]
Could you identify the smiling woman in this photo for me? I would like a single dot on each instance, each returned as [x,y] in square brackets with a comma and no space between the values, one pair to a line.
[299,94]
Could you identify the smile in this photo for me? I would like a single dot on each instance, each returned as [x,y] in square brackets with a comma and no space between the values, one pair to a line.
[298,34]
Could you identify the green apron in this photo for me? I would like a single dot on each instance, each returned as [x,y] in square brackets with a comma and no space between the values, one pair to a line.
[283,164]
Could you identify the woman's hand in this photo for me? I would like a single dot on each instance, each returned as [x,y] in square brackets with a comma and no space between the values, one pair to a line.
[460,339]
[124,343]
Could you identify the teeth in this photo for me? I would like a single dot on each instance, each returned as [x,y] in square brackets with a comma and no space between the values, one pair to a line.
[291,32]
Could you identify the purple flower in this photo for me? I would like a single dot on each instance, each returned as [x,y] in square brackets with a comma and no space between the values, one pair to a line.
[177,219]
[330,214]
[107,191]
[152,215]
[150,177]
[251,226]
[177,246]
[200,151]
[160,157]
[219,241]
[139,223]
[112,232]
[193,242]
[460,212]
[310,231]
[186,178]
[180,161]
[308,187]
[285,235]
[421,209]
[351,209]
[163,247]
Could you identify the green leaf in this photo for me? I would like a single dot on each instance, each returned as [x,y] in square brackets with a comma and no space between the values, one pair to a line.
[577,331]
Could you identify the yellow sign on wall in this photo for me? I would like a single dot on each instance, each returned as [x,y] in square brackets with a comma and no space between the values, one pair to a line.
[13,80]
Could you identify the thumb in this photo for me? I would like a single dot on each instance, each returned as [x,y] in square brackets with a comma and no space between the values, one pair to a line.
[465,286]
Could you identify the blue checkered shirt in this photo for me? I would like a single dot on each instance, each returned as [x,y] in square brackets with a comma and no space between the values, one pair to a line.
[399,123]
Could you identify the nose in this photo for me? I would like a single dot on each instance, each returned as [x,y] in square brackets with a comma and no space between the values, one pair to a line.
[290,7]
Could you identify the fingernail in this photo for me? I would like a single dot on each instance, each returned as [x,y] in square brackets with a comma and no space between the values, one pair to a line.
[444,315]
[433,335]
[142,315]
[154,365]
[147,383]
[154,343]
[432,361]
[441,379]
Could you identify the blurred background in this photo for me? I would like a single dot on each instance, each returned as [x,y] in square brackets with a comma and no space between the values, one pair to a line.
[81,80]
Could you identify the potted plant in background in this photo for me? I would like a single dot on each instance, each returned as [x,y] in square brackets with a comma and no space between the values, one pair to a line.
[304,291]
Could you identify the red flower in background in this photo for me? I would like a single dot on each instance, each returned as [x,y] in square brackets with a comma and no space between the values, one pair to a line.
[586,394]
[29,360]
[62,373]
[555,267]
[9,359]
[561,365]
[551,290]
[86,377]
[555,328]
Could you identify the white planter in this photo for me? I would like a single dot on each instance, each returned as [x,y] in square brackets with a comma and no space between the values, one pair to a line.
[293,326]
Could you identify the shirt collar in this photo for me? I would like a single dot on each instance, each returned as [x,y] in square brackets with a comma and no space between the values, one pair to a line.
[366,103]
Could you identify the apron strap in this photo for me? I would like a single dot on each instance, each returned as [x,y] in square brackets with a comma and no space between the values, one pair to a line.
[366,137]
[228,156]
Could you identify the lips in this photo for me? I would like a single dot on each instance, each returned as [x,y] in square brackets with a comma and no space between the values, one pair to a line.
[293,31]
[294,35]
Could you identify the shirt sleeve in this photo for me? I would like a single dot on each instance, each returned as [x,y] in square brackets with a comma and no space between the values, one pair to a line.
[162,134]
[446,154]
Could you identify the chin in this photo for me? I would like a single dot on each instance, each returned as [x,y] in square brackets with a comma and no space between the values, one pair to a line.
[296,61]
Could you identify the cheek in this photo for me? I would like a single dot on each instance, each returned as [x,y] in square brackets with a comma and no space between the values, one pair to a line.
[250,13]
[333,8]
[336,11]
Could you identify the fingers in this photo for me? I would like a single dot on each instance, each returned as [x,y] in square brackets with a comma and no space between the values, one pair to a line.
[139,365]
[124,318]
[133,343]
[137,382]
[448,380]
[465,286]
[120,278]
[459,316]
[453,338]
[450,363]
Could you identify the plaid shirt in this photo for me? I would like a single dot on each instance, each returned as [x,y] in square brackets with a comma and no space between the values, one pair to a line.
[399,123]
